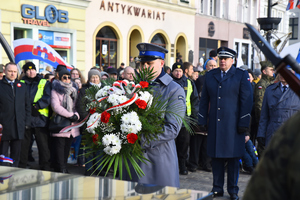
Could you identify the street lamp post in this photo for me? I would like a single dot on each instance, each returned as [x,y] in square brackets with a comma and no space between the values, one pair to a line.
[269,23]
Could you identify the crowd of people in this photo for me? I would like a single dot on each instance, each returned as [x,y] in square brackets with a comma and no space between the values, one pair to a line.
[231,110]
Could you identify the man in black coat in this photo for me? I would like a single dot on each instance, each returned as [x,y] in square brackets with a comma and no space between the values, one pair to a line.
[15,112]
[39,91]
[181,74]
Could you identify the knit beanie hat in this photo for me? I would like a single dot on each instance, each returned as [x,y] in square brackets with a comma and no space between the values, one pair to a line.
[177,65]
[60,67]
[28,66]
[93,72]
[62,72]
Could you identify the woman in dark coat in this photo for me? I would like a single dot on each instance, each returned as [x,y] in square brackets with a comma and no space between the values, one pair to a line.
[94,78]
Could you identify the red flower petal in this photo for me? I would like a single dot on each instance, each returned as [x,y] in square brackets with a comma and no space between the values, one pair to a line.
[131,137]
[144,84]
[141,104]
[105,117]
[92,111]
[95,138]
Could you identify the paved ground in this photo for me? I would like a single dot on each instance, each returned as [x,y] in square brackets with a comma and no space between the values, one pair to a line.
[199,180]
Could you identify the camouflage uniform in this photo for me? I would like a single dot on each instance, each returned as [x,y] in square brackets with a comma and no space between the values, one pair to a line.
[259,92]
[277,175]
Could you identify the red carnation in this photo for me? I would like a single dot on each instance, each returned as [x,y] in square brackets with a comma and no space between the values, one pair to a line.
[105,117]
[141,103]
[95,138]
[92,111]
[144,84]
[131,137]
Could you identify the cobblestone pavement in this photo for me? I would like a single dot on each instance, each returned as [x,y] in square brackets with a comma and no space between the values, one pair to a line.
[202,180]
[199,180]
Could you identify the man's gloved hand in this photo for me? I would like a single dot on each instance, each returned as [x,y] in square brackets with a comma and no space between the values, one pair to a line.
[202,128]
[242,130]
[27,127]
[34,111]
[261,141]
[74,118]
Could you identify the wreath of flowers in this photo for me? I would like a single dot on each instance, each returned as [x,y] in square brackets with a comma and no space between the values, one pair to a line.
[121,114]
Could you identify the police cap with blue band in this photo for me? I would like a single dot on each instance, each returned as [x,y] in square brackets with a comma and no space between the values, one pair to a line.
[149,52]
[226,52]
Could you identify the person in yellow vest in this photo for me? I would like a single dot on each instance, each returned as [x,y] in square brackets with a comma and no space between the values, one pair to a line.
[39,90]
[180,74]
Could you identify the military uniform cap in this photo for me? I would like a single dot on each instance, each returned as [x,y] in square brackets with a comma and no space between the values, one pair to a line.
[177,65]
[265,64]
[149,52]
[226,52]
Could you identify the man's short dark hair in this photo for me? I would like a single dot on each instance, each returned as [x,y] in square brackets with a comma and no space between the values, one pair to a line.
[186,65]
[10,63]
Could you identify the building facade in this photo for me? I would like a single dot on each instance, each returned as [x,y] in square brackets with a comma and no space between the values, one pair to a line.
[115,27]
[60,24]
[221,23]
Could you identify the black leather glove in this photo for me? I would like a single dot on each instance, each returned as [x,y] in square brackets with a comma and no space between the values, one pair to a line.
[27,127]
[74,118]
[34,111]
[202,128]
[242,130]
[261,141]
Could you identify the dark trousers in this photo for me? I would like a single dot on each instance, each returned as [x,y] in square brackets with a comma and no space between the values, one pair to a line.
[218,169]
[42,138]
[61,152]
[182,145]
[15,150]
[198,151]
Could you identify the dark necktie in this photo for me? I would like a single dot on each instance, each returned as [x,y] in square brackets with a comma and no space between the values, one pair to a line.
[223,74]
[284,89]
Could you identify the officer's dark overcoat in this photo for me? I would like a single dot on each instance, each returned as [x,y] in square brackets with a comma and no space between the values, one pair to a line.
[226,105]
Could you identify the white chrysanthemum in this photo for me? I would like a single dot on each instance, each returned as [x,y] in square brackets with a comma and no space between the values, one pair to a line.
[122,99]
[146,96]
[103,92]
[124,128]
[112,150]
[113,99]
[138,126]
[130,123]
[132,129]
[93,122]
[112,143]
[125,118]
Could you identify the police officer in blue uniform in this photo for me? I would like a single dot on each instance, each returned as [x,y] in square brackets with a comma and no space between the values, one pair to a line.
[162,169]
[227,97]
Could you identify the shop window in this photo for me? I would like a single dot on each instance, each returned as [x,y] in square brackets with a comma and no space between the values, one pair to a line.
[158,40]
[22,33]
[106,48]
[205,46]
[245,53]
[293,27]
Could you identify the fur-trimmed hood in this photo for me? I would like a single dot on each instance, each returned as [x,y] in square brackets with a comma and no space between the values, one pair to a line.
[59,88]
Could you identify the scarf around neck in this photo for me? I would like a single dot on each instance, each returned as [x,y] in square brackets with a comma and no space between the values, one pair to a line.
[70,95]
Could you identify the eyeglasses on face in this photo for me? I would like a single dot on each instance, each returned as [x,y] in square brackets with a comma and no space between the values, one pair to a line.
[66,77]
